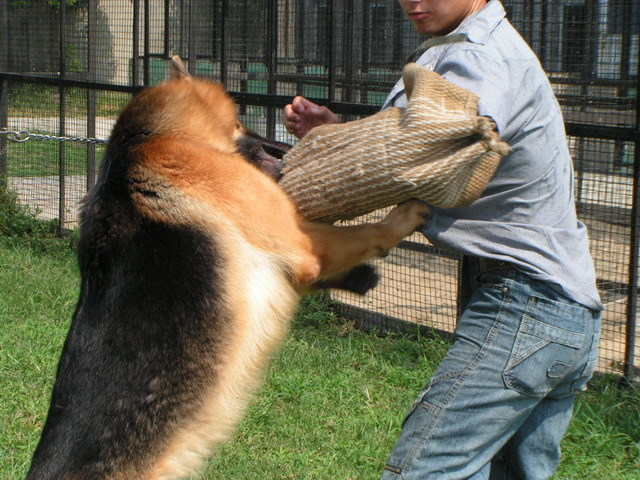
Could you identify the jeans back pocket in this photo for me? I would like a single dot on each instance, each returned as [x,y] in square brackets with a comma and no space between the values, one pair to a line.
[547,347]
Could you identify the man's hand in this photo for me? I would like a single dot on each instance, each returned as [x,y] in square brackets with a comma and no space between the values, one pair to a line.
[301,115]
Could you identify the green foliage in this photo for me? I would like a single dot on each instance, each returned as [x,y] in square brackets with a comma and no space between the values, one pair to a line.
[69,3]
[18,220]
[52,3]
[19,225]
[72,59]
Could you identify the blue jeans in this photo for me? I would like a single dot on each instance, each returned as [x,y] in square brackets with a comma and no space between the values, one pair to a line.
[501,400]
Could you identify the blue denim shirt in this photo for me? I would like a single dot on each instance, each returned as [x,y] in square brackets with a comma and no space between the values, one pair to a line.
[527,214]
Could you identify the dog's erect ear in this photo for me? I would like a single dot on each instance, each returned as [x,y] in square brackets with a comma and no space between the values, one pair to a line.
[178,70]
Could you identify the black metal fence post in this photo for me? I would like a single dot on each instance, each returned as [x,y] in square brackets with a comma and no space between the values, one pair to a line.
[92,27]
[4,92]
[4,120]
[224,44]
[271,55]
[192,45]
[135,43]
[630,371]
[147,44]
[331,61]
[631,337]
[166,44]
[62,191]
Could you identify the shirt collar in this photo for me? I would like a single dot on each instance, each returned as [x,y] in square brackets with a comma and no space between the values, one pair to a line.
[480,24]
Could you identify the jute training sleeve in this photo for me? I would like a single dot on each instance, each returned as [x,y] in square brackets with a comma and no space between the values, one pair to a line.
[437,149]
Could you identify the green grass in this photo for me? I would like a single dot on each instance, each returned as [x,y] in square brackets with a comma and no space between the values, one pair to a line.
[33,99]
[37,158]
[333,398]
[330,407]
[39,292]
[603,440]
[332,404]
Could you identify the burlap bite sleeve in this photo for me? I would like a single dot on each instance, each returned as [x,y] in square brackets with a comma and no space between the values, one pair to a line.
[436,149]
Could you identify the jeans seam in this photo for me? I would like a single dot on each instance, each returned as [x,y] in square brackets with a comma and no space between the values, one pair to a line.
[593,364]
[413,453]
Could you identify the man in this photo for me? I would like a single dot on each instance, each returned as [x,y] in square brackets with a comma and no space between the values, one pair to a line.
[501,400]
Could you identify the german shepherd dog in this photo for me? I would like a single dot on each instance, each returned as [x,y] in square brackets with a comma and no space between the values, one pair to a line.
[192,264]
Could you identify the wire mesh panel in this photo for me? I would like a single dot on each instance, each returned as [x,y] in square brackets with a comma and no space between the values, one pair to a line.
[52,159]
[605,195]
[68,67]
[418,289]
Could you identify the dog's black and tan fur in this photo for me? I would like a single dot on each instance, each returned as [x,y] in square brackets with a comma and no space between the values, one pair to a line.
[192,264]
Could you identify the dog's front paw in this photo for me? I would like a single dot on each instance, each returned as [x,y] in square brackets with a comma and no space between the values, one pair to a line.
[408,217]
[360,279]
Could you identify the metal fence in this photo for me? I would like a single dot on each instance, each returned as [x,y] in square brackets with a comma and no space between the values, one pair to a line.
[67,67]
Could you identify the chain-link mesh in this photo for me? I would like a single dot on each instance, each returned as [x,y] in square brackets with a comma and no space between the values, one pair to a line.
[80,60]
